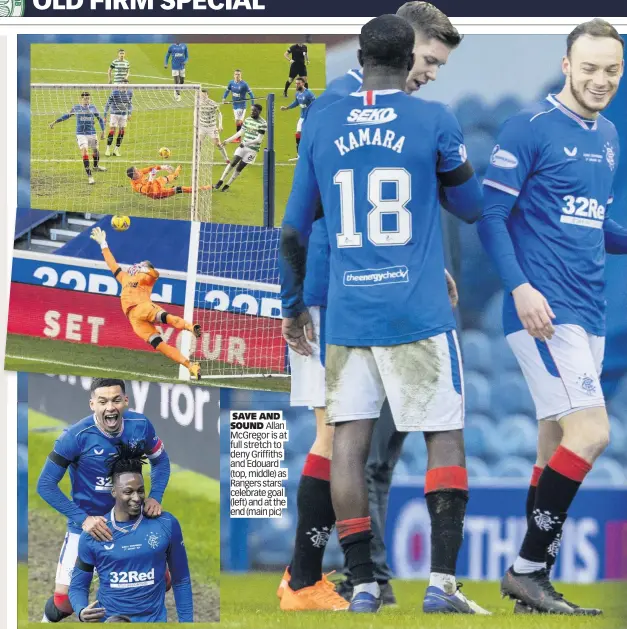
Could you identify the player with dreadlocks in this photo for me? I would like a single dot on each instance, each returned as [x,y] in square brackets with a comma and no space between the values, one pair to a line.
[132,566]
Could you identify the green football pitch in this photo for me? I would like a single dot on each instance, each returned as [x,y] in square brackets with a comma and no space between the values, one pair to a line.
[192,498]
[249,601]
[58,180]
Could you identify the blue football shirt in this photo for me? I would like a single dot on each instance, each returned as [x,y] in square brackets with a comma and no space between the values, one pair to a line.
[85,119]
[179,55]
[316,284]
[373,160]
[88,448]
[560,169]
[239,91]
[131,568]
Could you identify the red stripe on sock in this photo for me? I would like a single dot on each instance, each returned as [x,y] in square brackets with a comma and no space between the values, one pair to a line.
[352,526]
[569,464]
[535,475]
[317,467]
[298,136]
[62,603]
[451,477]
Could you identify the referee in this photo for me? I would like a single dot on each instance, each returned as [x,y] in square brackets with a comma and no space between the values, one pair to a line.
[297,56]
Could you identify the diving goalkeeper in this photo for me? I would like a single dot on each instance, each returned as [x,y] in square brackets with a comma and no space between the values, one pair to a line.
[148,182]
[142,314]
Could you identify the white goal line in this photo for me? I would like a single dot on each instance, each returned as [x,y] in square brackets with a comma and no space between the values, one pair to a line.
[159,78]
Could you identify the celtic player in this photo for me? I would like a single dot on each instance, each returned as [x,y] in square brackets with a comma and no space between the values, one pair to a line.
[120,68]
[210,122]
[251,133]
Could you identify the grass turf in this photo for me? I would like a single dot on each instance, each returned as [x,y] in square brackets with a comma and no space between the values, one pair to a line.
[249,601]
[193,498]
[58,180]
[25,353]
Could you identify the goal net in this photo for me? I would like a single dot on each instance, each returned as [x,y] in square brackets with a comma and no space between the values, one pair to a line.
[152,117]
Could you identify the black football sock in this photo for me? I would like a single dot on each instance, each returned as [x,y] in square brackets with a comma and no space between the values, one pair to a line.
[556,490]
[110,137]
[316,519]
[446,495]
[53,613]
[355,536]
[96,156]
[287,86]
[120,137]
[86,165]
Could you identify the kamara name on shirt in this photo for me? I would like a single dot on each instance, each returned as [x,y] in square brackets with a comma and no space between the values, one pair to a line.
[370,137]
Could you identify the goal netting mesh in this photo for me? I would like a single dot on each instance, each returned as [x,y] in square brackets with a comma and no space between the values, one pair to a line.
[232,271]
[152,116]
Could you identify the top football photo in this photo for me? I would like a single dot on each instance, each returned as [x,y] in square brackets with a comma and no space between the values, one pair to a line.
[176,130]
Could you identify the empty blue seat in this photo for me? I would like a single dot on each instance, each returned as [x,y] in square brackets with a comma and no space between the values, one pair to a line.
[470,111]
[517,435]
[477,389]
[476,351]
[479,435]
[513,467]
[510,396]
[492,317]
[477,468]
[618,440]
[607,471]
[503,358]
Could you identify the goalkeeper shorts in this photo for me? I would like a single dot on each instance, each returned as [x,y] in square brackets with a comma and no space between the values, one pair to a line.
[142,317]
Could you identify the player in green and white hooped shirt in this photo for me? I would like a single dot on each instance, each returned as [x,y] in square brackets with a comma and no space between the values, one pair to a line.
[120,68]
[210,123]
[251,135]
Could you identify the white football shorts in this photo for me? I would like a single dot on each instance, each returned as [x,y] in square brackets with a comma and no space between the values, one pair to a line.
[247,155]
[299,125]
[179,72]
[562,373]
[423,382]
[87,141]
[307,386]
[67,558]
[118,120]
[239,114]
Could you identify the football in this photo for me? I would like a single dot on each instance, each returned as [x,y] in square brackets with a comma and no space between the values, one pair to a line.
[120,223]
[165,152]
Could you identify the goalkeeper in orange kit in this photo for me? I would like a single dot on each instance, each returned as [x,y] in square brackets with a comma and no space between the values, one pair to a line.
[148,182]
[142,314]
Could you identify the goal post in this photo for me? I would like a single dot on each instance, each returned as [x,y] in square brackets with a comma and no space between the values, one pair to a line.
[140,120]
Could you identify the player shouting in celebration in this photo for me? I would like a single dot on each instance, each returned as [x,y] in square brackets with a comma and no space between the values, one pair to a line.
[83,448]
[251,134]
[132,566]
[240,93]
[120,105]
[546,225]
[304,98]
[86,136]
[379,270]
[137,306]
[148,182]
[297,56]
[179,55]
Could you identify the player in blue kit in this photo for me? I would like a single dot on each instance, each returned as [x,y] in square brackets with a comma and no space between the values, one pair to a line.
[301,585]
[119,108]
[179,54]
[240,94]
[132,566]
[86,136]
[303,99]
[83,448]
[380,161]
[546,226]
